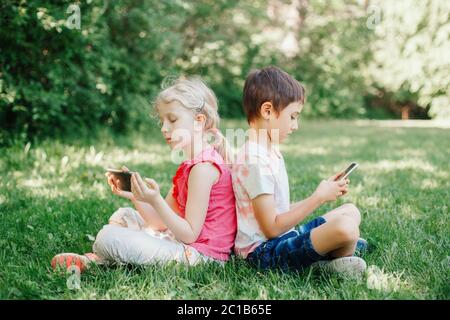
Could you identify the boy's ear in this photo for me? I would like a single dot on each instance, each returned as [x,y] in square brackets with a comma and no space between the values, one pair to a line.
[267,110]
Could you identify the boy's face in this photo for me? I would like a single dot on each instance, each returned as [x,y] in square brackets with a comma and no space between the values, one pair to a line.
[286,121]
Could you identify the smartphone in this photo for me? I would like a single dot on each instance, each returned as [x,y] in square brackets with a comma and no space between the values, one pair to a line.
[123,178]
[348,170]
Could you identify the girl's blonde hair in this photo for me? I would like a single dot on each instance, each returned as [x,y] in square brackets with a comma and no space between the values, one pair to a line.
[193,94]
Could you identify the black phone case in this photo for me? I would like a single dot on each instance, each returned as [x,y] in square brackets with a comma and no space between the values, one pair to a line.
[125,180]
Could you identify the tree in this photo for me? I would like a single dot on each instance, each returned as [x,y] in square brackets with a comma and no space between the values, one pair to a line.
[411,53]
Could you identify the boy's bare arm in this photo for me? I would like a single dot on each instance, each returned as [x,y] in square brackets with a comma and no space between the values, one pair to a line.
[273,224]
[295,204]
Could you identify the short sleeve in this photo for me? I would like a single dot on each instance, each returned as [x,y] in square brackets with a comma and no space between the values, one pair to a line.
[181,178]
[257,178]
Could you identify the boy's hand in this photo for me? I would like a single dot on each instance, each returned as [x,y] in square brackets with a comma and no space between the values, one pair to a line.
[336,176]
[330,190]
[147,191]
[115,186]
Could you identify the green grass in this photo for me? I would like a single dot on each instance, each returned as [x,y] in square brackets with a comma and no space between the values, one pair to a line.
[54,198]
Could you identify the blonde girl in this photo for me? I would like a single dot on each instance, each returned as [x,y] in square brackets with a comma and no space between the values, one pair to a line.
[196,221]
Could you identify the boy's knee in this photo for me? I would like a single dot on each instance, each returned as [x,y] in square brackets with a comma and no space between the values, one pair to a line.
[346,229]
[352,210]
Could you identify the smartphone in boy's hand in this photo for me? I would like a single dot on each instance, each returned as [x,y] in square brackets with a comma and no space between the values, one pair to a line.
[347,171]
[122,178]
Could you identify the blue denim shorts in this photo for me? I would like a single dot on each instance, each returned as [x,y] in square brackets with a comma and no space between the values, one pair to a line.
[290,252]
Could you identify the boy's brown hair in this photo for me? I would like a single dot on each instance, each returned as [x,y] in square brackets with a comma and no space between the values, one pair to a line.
[270,84]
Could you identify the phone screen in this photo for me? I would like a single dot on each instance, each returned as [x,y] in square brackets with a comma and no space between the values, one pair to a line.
[349,170]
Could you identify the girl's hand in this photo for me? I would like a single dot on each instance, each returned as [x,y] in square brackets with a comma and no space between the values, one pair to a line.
[147,191]
[330,190]
[115,186]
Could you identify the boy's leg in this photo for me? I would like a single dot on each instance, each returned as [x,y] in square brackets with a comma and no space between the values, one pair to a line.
[348,209]
[337,237]
[352,211]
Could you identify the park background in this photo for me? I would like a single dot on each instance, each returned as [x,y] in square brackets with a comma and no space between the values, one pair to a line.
[77,80]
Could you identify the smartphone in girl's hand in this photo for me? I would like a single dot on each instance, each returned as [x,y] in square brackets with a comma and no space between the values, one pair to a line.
[123,178]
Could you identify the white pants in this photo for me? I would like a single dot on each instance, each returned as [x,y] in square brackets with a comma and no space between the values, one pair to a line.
[127,240]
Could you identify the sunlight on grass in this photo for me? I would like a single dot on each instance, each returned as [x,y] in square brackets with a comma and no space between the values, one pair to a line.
[413,153]
[407,211]
[427,184]
[370,201]
[444,123]
[33,183]
[380,280]
[302,151]
[391,165]
[159,154]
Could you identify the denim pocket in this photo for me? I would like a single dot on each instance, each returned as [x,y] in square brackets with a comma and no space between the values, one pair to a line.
[264,256]
[261,256]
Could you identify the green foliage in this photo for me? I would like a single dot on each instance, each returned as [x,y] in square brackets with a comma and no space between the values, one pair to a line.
[412,59]
[55,78]
[333,53]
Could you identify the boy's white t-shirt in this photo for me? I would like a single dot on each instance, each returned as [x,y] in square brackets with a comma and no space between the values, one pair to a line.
[257,171]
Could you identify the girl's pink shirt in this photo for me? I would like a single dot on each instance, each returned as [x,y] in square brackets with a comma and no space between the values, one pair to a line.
[218,233]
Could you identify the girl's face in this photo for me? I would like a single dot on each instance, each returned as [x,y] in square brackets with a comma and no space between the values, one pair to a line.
[178,125]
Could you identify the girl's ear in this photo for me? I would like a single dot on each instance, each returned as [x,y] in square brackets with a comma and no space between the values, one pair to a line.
[267,110]
[200,119]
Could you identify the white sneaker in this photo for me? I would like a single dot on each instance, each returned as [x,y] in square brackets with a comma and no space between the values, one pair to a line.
[352,267]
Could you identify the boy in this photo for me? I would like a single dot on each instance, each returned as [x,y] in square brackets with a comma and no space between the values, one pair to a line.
[267,237]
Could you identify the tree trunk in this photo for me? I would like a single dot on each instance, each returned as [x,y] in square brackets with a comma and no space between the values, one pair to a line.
[405,112]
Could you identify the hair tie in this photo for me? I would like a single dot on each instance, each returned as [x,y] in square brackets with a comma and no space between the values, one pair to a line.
[199,109]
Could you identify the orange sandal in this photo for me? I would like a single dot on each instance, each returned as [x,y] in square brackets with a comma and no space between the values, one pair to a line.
[66,260]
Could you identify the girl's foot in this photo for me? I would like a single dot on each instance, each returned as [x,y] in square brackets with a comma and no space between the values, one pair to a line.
[352,267]
[66,260]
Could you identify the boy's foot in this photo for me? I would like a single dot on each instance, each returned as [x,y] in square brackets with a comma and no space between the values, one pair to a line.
[362,247]
[66,260]
[352,267]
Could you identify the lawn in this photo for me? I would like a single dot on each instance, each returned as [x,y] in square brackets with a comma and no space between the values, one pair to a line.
[54,198]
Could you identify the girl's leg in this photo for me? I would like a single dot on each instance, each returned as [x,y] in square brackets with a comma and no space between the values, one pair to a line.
[123,245]
[337,237]
[67,260]
[124,218]
[348,209]
[129,218]
[150,217]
